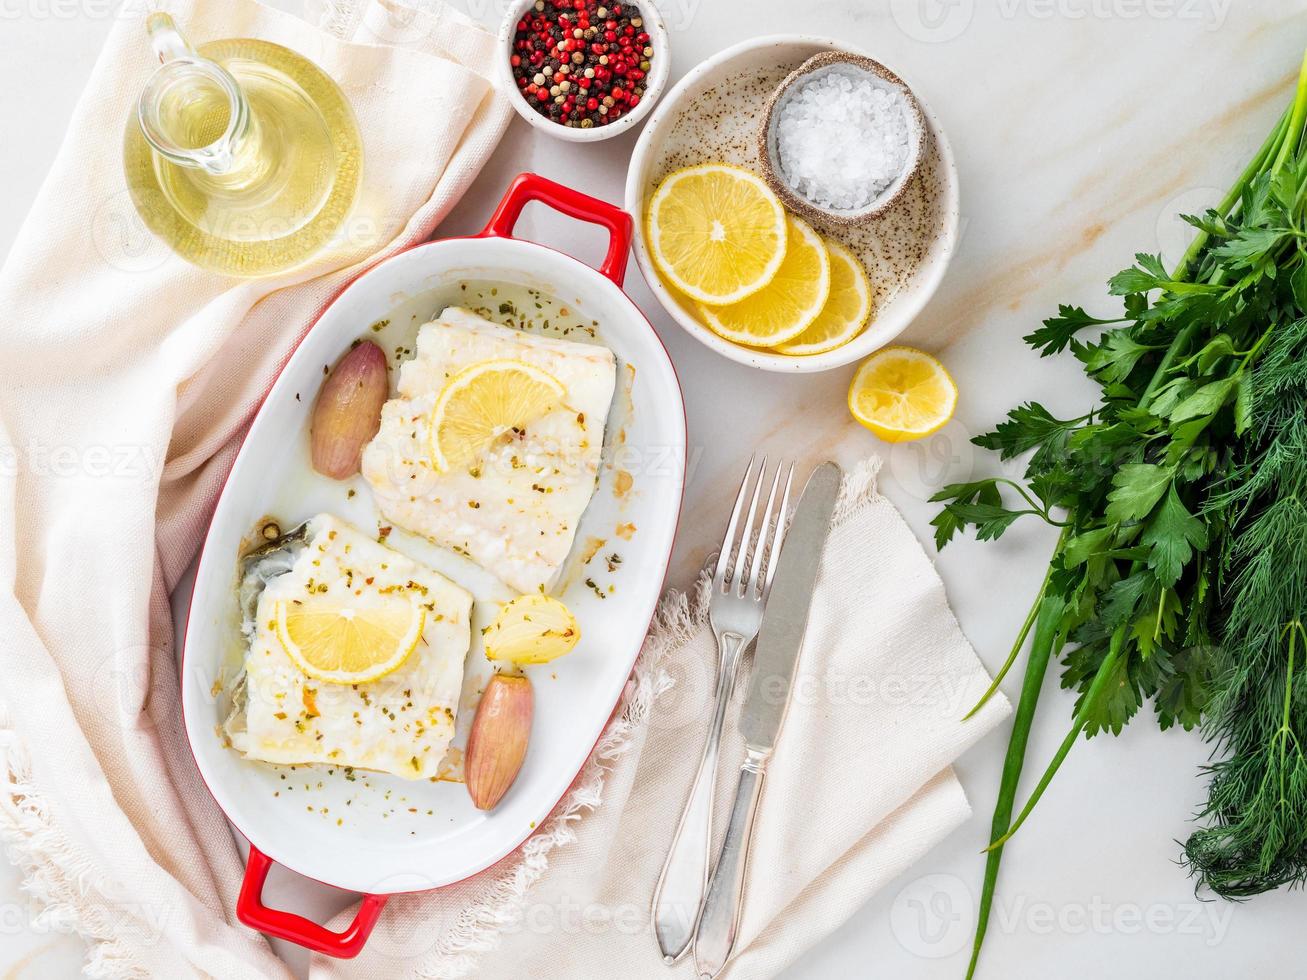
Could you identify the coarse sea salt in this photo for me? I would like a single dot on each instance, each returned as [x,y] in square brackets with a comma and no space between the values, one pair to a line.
[842,138]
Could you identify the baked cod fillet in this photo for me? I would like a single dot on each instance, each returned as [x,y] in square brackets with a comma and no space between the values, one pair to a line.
[515,507]
[400,723]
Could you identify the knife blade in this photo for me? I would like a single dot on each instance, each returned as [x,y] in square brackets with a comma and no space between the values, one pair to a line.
[785,618]
[775,656]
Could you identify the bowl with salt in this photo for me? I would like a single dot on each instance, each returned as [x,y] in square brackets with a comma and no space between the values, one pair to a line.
[714,114]
[854,176]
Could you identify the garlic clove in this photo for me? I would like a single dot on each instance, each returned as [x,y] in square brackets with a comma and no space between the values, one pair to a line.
[348,411]
[531,629]
[498,741]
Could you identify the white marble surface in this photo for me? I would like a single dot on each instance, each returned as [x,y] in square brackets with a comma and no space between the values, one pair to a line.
[1080,128]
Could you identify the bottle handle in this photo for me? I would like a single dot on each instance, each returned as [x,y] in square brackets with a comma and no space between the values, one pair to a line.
[179,63]
[168,42]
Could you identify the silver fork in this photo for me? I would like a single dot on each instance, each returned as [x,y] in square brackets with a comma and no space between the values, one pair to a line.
[739,591]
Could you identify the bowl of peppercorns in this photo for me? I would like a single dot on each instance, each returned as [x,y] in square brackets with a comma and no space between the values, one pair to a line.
[583,70]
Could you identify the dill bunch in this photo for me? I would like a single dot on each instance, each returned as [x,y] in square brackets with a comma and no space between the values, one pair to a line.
[1256,839]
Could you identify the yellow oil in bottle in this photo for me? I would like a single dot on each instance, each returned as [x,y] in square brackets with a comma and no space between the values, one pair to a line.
[293,172]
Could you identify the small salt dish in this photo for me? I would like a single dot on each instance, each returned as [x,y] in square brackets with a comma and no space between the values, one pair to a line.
[811,70]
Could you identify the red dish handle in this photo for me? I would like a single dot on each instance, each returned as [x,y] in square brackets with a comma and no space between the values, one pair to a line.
[295,928]
[574,204]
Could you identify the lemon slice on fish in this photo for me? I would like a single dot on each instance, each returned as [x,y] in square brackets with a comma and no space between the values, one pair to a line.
[349,644]
[482,402]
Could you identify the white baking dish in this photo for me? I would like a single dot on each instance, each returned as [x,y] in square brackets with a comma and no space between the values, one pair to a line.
[377,834]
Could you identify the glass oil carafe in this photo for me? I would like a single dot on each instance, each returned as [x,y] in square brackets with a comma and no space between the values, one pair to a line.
[242,155]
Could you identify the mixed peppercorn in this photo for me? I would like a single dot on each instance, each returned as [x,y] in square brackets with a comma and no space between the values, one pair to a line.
[581,63]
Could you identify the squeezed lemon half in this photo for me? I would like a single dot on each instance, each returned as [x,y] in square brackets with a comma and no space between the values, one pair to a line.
[716,232]
[344,644]
[787,305]
[901,393]
[482,402]
[847,309]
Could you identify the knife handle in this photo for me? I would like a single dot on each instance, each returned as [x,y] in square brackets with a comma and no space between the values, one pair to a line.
[720,920]
[684,879]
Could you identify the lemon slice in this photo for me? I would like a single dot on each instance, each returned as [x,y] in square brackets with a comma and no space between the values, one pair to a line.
[901,394]
[846,311]
[482,402]
[531,629]
[349,644]
[787,305]
[716,232]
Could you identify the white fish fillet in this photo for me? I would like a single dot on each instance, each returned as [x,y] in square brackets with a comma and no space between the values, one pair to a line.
[516,512]
[401,723]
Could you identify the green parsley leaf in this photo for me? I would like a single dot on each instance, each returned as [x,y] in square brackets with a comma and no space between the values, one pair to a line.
[1136,489]
[1058,331]
[1172,533]
[1027,426]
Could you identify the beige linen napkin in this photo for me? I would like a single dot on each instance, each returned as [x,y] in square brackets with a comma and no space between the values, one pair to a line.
[126,380]
[860,786]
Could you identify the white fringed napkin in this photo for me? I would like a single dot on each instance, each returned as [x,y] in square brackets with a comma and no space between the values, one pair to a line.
[126,380]
[860,786]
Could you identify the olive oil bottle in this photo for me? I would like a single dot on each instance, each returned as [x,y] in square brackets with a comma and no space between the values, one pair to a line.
[243,156]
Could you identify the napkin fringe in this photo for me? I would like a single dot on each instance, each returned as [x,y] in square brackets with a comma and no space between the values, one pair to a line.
[73,895]
[479,927]
[859,490]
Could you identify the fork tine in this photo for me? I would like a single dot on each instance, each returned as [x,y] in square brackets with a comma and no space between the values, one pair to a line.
[781,527]
[724,555]
[739,578]
[762,551]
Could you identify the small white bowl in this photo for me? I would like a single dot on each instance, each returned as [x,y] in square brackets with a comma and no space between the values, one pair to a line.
[654,83]
[890,318]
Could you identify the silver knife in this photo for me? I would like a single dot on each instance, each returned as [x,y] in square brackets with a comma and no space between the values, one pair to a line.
[774,660]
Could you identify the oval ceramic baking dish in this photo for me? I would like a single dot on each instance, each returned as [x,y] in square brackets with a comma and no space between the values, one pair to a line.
[376,834]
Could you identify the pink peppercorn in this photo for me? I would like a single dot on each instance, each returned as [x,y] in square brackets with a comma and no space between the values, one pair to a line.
[568,42]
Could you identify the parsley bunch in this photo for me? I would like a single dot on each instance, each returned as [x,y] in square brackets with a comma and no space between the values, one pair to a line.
[1180,575]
